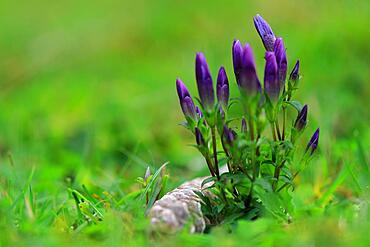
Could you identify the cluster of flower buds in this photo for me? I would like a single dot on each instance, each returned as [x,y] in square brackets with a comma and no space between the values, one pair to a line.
[276,59]
[202,119]
[273,98]
[276,72]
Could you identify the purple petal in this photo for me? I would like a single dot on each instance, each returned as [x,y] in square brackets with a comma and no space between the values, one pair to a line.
[301,120]
[199,112]
[272,87]
[281,60]
[222,87]
[229,135]
[204,81]
[245,68]
[294,75]
[265,32]
[314,142]
[244,125]
[199,137]
[186,102]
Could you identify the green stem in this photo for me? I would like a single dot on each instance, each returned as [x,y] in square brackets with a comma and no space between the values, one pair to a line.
[254,165]
[246,173]
[258,151]
[277,175]
[284,119]
[227,154]
[273,131]
[214,144]
[286,184]
[249,115]
[209,164]
[251,127]
[249,198]
[278,129]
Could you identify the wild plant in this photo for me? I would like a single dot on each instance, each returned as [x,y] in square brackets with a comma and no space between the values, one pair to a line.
[260,145]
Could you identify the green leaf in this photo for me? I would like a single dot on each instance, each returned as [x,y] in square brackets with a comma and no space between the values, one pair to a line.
[286,179]
[151,183]
[208,180]
[272,203]
[264,183]
[236,178]
[268,162]
[154,194]
[296,104]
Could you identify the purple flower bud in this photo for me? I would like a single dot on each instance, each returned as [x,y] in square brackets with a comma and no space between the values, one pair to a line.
[186,102]
[199,137]
[301,120]
[281,60]
[234,133]
[237,52]
[244,126]
[265,32]
[272,86]
[222,113]
[294,75]
[229,135]
[199,112]
[314,142]
[245,68]
[204,81]
[222,87]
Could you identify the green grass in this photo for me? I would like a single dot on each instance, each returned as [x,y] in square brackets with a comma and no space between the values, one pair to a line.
[87,97]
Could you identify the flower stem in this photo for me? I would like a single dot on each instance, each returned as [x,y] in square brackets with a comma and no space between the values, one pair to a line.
[214,144]
[251,127]
[227,154]
[276,176]
[209,164]
[284,119]
[248,201]
[286,184]
[278,129]
[273,131]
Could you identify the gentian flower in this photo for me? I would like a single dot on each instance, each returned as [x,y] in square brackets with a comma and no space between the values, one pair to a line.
[199,137]
[222,113]
[245,68]
[244,126]
[204,81]
[222,87]
[294,75]
[265,32]
[272,86]
[199,112]
[229,135]
[314,142]
[281,60]
[301,120]
[186,102]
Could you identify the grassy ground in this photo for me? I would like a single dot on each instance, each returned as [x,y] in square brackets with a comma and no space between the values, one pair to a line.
[87,97]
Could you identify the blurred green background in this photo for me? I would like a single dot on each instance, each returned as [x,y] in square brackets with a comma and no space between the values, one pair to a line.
[88,87]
